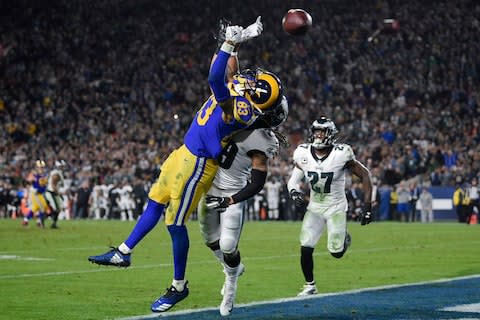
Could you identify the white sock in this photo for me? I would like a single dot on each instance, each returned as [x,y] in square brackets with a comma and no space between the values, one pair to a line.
[231,271]
[219,255]
[123,248]
[179,284]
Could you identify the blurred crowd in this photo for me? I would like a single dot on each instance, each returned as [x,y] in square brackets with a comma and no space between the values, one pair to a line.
[110,86]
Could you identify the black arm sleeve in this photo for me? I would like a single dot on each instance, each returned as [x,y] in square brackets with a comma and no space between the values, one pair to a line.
[253,187]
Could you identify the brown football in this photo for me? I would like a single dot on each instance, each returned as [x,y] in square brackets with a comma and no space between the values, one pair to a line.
[296,22]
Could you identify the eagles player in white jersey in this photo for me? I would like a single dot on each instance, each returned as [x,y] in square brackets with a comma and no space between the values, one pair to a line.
[242,174]
[53,195]
[323,163]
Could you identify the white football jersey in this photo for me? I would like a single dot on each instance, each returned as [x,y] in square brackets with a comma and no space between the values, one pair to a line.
[60,183]
[238,166]
[326,177]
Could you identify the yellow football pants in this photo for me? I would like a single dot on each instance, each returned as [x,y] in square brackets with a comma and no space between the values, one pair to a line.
[183,179]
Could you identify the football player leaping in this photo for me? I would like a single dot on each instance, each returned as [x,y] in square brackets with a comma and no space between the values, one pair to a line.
[242,174]
[188,172]
[323,163]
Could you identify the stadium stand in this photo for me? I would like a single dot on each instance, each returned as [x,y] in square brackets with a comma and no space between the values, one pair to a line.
[109,86]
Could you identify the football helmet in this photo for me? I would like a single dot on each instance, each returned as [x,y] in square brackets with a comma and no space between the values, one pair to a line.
[275,116]
[60,164]
[40,164]
[329,130]
[260,87]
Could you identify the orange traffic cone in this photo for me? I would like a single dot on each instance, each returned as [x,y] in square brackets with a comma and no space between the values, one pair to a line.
[473,219]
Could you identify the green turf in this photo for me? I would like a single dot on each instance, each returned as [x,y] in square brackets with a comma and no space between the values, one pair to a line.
[67,286]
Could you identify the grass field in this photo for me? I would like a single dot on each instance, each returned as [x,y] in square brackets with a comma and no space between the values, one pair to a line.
[44,274]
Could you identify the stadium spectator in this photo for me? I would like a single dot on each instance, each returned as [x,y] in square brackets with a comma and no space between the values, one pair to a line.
[82,200]
[403,205]
[426,206]
[460,203]
[472,193]
[414,195]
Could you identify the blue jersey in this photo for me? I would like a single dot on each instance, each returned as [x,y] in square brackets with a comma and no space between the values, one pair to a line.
[40,182]
[209,132]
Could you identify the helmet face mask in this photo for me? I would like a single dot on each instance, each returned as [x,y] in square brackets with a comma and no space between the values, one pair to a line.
[244,83]
[328,133]
[260,87]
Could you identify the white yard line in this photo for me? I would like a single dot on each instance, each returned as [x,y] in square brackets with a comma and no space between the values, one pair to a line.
[14,257]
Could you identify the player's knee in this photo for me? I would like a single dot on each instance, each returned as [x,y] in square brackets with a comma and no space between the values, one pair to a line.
[228,245]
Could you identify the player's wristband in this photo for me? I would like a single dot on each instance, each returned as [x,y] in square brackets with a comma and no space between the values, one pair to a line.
[227,47]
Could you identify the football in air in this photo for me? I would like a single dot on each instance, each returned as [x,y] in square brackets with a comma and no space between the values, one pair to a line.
[296,22]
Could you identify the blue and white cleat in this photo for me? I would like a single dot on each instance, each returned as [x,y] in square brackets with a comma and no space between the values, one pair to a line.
[112,258]
[169,299]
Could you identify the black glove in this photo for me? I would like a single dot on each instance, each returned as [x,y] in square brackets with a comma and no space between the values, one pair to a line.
[297,197]
[217,202]
[366,215]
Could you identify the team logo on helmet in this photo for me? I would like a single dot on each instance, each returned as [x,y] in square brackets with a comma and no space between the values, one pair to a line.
[260,87]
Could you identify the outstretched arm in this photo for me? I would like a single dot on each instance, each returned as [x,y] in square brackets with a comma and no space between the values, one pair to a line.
[218,72]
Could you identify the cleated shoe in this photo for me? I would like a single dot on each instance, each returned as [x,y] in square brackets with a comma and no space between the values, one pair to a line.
[169,299]
[308,290]
[230,289]
[111,258]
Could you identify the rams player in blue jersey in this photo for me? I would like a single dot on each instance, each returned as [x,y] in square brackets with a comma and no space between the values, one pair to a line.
[37,204]
[188,172]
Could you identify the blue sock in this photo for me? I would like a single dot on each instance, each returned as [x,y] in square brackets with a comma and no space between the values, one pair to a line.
[180,244]
[147,221]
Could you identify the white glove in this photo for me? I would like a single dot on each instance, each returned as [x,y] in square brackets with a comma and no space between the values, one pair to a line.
[234,34]
[253,30]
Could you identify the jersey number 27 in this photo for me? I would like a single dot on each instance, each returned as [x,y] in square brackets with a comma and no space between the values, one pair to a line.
[313,177]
